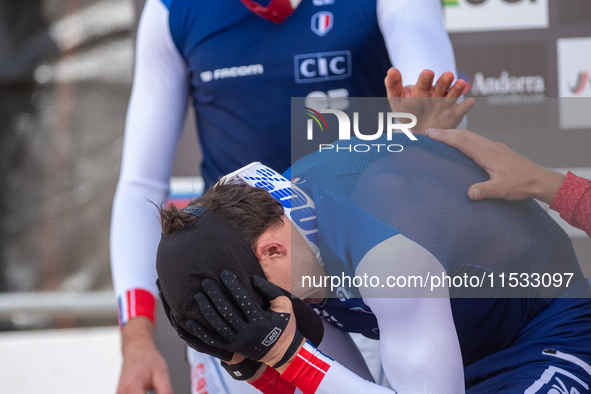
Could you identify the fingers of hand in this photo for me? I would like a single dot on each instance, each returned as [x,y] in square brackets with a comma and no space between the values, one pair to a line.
[239,295]
[457,89]
[217,316]
[465,106]
[134,381]
[133,386]
[162,381]
[488,189]
[143,371]
[393,82]
[474,192]
[267,289]
[281,305]
[465,141]
[443,84]
[425,81]
[206,336]
[221,305]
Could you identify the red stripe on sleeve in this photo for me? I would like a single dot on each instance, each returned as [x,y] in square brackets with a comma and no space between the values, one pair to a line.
[314,360]
[128,300]
[306,371]
[272,383]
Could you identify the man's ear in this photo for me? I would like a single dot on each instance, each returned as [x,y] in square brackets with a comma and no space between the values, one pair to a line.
[269,249]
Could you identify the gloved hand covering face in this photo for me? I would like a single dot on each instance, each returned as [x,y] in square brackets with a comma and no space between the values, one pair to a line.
[270,336]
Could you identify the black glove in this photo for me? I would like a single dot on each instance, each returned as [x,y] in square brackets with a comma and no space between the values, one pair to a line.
[244,370]
[191,340]
[245,328]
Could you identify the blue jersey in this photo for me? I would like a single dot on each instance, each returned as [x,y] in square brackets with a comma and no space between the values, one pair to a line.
[362,199]
[244,70]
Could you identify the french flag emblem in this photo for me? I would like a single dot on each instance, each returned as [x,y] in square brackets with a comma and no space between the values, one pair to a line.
[322,22]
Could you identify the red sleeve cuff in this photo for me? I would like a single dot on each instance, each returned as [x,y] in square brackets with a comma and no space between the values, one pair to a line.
[272,383]
[134,303]
[308,369]
[573,201]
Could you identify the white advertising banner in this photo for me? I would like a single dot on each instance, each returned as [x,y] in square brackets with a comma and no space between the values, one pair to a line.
[574,68]
[487,15]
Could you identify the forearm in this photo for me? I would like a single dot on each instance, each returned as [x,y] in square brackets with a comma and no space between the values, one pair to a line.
[428,47]
[137,334]
[134,238]
[419,347]
[546,184]
[153,127]
[314,373]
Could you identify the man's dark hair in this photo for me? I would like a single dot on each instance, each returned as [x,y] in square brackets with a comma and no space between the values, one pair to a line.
[250,210]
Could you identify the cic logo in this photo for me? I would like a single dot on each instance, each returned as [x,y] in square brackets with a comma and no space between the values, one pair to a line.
[391,119]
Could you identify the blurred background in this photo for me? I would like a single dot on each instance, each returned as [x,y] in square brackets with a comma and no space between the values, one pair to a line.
[66,68]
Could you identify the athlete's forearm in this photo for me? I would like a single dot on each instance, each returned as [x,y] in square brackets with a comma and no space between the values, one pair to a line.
[419,345]
[136,332]
[428,47]
[153,127]
[135,233]
[314,373]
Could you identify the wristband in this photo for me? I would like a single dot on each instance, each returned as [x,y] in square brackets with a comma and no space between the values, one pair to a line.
[291,350]
[243,370]
[135,302]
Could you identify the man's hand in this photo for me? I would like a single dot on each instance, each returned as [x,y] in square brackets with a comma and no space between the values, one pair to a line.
[270,336]
[186,336]
[512,177]
[434,106]
[143,366]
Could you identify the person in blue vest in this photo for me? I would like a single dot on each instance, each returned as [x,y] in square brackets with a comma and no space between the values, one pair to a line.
[239,65]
